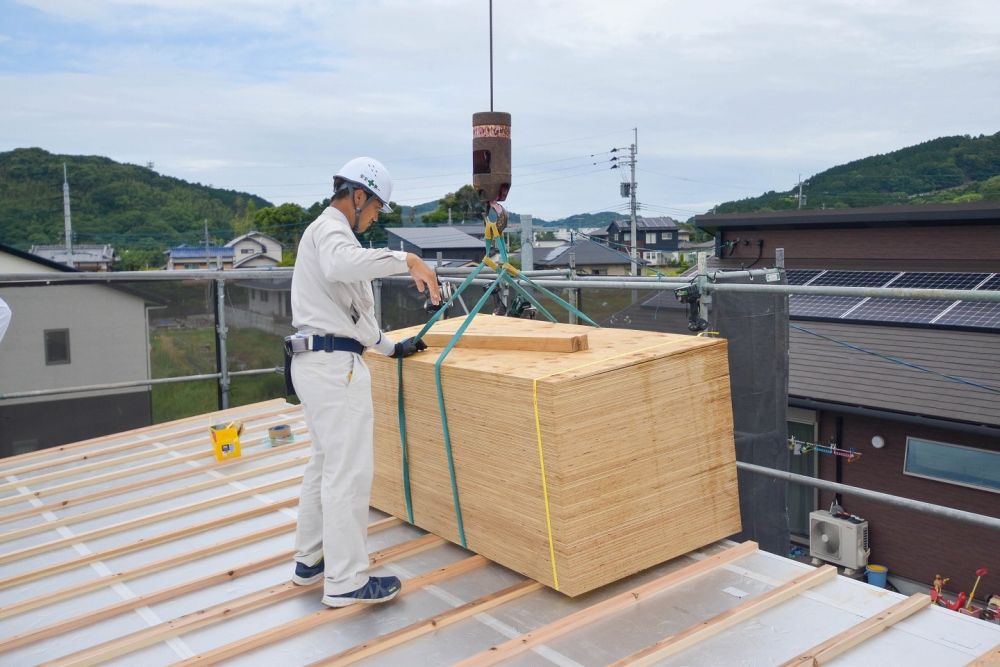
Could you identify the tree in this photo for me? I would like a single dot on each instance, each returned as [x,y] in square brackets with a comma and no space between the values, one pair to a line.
[547,235]
[285,223]
[463,204]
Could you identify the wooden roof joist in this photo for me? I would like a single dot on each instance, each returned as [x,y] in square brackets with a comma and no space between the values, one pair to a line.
[173,558]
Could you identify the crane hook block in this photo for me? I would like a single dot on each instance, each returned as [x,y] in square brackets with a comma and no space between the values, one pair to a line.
[491,155]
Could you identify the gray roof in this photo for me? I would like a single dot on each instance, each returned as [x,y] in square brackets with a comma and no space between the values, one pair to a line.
[983,212]
[647,223]
[822,370]
[588,253]
[434,237]
[81,253]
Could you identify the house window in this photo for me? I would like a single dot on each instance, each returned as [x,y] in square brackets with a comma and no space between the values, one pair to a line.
[666,236]
[246,251]
[263,296]
[650,237]
[626,236]
[56,346]
[954,464]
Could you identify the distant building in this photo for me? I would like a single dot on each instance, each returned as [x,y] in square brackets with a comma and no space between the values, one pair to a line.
[69,335]
[255,250]
[588,257]
[427,242]
[193,257]
[922,433]
[658,241]
[84,257]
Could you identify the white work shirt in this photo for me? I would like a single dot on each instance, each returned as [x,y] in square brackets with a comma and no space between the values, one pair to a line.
[331,284]
[4,317]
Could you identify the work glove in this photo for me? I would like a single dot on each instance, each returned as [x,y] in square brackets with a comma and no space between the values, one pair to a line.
[406,347]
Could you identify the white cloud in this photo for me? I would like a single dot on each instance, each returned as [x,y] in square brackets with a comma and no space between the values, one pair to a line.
[272,97]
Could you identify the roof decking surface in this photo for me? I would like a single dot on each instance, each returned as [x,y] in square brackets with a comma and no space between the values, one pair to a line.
[140,548]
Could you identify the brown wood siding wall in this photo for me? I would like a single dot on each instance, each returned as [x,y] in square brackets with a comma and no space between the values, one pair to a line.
[940,248]
[911,544]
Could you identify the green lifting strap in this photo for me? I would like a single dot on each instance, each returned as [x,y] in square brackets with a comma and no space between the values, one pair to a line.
[402,437]
[502,277]
[401,411]
[444,415]
[562,302]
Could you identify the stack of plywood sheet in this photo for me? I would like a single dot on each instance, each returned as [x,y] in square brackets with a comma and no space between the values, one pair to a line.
[575,467]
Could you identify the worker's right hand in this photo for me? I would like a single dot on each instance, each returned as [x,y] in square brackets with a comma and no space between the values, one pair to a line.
[408,346]
[424,277]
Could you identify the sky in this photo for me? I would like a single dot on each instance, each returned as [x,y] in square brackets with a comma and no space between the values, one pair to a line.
[725,99]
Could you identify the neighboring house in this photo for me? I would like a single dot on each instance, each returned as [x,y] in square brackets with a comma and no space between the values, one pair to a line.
[267,306]
[588,257]
[427,242]
[922,434]
[193,257]
[689,250]
[84,257]
[658,241]
[932,237]
[69,335]
[255,250]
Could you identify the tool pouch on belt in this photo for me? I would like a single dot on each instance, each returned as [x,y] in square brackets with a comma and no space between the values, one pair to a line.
[289,386]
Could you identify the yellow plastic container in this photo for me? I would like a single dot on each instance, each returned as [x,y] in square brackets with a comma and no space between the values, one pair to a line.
[226,440]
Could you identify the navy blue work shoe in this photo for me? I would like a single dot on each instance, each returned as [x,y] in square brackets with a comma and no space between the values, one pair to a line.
[378,589]
[307,574]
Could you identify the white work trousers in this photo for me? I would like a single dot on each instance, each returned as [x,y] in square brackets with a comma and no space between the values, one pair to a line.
[335,390]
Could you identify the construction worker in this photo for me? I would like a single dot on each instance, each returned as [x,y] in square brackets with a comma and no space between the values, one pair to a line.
[333,309]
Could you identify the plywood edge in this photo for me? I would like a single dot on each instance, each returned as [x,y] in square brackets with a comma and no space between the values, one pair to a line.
[676,643]
[525,342]
[989,659]
[854,635]
[612,605]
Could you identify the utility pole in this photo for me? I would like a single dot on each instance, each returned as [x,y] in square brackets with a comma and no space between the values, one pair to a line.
[633,149]
[67,220]
[802,200]
[207,263]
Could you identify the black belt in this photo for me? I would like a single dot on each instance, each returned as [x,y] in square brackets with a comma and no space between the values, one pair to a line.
[321,343]
[331,343]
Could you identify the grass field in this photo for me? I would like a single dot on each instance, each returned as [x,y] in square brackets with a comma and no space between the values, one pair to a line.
[177,352]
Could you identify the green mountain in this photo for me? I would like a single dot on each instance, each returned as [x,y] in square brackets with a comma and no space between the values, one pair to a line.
[122,204]
[946,170]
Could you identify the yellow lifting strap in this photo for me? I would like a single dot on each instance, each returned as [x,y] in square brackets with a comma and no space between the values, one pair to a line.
[492,232]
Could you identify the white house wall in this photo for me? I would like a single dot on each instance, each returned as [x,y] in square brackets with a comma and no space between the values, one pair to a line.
[107,338]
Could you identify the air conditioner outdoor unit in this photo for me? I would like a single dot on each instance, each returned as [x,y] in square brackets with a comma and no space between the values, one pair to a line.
[840,541]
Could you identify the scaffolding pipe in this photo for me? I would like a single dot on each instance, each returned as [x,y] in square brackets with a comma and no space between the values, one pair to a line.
[877,292]
[90,277]
[980,520]
[133,383]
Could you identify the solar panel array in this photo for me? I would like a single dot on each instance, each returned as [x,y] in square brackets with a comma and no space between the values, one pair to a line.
[939,312]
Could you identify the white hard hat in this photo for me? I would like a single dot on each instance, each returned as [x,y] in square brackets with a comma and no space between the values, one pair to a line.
[371,175]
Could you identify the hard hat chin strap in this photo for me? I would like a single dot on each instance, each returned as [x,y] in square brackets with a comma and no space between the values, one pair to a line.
[351,187]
